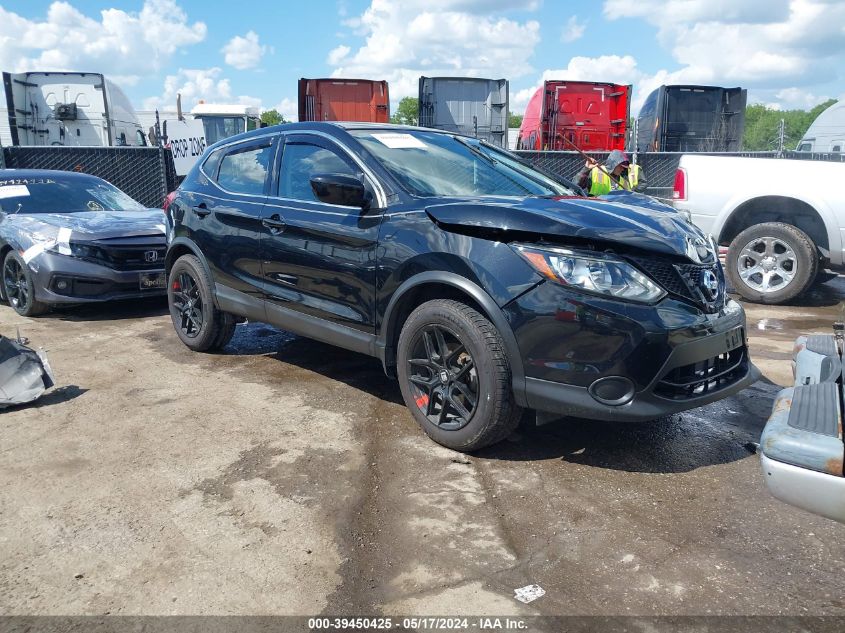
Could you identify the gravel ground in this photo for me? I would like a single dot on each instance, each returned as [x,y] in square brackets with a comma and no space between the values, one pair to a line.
[284,476]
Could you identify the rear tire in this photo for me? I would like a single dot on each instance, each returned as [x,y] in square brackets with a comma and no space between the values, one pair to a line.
[198,323]
[771,263]
[455,376]
[19,286]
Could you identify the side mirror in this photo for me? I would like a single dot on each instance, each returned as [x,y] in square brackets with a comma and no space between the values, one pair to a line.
[341,189]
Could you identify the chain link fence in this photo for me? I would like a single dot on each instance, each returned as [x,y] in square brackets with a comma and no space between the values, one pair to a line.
[147,174]
[659,167]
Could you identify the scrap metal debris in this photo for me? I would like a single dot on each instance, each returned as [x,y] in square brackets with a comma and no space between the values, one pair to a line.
[25,373]
[529,593]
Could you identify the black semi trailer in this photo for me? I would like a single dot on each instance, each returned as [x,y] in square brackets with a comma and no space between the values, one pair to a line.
[692,119]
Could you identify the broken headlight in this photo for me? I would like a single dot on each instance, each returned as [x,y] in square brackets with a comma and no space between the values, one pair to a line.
[592,272]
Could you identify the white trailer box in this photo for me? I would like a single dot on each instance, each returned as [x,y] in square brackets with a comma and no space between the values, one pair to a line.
[68,108]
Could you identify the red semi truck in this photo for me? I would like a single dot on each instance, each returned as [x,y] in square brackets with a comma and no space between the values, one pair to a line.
[343,100]
[593,116]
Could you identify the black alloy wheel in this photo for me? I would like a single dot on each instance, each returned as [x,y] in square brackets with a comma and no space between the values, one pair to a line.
[197,321]
[187,304]
[443,378]
[18,286]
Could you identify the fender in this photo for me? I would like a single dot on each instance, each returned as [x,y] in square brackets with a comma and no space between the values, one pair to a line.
[826,213]
[491,310]
[195,250]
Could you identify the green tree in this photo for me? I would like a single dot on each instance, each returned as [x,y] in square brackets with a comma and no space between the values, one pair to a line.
[514,120]
[408,112]
[762,123]
[272,117]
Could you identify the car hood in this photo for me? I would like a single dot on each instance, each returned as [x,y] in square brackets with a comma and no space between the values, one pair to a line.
[627,219]
[89,225]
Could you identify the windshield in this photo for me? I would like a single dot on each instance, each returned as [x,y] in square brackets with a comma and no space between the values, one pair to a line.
[56,194]
[219,127]
[436,164]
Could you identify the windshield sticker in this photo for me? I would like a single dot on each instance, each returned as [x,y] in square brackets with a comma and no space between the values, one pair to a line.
[113,199]
[13,191]
[395,140]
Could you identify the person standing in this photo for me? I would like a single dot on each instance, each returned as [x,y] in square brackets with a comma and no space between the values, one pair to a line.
[616,173]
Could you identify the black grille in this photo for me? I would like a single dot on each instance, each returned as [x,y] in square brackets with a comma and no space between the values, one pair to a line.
[703,377]
[130,253]
[684,280]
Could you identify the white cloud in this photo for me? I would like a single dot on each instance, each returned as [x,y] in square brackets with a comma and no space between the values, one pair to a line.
[288,108]
[124,45]
[438,37]
[572,30]
[337,55]
[207,84]
[244,52]
[775,44]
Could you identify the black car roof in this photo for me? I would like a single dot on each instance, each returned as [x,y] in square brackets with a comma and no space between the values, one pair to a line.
[330,127]
[21,174]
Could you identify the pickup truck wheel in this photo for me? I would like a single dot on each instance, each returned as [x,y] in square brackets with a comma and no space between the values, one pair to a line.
[198,323]
[771,262]
[455,376]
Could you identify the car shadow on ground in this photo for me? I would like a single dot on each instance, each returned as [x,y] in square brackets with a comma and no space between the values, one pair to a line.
[356,370]
[719,433]
[111,310]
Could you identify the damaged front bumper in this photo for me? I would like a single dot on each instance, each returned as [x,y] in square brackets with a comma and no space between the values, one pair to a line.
[604,359]
[802,450]
[25,373]
[66,279]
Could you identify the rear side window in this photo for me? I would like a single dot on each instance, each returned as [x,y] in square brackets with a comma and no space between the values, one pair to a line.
[300,162]
[244,169]
[212,163]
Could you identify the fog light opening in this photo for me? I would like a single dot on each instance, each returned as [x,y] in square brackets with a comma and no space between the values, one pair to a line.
[613,391]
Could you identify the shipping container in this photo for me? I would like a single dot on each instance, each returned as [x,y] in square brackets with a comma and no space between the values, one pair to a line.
[692,119]
[343,100]
[592,116]
[466,105]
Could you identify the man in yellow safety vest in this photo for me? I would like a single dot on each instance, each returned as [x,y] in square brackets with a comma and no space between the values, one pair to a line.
[616,173]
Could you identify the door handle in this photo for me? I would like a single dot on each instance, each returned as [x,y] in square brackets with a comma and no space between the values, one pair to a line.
[201,210]
[275,223]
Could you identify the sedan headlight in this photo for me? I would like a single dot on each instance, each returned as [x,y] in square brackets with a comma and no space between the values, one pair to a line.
[592,272]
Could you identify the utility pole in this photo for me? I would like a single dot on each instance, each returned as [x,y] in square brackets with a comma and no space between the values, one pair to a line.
[781,134]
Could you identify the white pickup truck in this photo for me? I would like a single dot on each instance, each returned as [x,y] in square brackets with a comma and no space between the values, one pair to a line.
[783,220]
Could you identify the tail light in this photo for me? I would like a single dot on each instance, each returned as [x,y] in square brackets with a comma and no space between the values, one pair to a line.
[168,200]
[679,191]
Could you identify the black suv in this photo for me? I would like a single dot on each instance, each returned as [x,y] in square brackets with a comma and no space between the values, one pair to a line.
[483,284]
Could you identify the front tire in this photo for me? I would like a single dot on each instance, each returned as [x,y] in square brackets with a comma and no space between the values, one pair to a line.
[198,323]
[455,376]
[771,263]
[19,286]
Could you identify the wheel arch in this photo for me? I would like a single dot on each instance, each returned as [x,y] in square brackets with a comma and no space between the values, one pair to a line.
[5,247]
[785,209]
[184,246]
[445,285]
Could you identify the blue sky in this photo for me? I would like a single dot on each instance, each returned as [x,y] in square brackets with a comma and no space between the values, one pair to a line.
[789,53]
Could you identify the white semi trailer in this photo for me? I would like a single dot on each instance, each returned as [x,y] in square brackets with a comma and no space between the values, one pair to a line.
[67,108]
